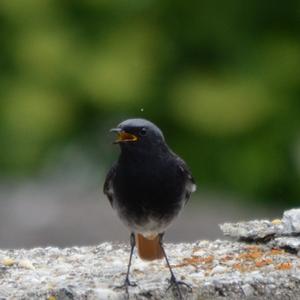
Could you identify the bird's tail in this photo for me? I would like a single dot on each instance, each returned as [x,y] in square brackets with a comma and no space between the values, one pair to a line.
[149,248]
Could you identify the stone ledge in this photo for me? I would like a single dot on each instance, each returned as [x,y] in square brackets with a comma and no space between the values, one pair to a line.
[215,270]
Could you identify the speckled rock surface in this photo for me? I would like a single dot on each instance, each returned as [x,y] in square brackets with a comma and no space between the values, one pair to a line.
[215,270]
[283,233]
[291,221]
[291,244]
[253,230]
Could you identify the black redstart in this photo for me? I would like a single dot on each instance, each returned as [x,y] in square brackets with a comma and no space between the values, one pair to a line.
[148,187]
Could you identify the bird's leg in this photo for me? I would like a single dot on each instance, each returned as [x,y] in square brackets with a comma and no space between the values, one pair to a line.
[132,244]
[173,280]
[127,282]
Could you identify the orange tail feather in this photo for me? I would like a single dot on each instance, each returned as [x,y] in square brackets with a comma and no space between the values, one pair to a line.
[149,249]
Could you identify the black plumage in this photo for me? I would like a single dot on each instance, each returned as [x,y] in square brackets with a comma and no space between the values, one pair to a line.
[149,184]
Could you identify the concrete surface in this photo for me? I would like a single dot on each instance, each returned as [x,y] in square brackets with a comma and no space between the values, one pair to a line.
[215,269]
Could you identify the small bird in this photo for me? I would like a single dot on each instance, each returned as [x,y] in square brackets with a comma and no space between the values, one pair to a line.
[148,187]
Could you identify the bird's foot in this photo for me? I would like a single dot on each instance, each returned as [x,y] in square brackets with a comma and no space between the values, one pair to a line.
[126,284]
[175,284]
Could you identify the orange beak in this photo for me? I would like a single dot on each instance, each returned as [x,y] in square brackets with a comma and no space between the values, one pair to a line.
[123,136]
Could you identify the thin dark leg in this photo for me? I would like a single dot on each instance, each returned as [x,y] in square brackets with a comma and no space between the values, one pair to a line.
[127,281]
[173,280]
[132,244]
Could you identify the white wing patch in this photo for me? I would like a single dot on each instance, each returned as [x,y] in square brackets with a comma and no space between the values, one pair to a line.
[192,187]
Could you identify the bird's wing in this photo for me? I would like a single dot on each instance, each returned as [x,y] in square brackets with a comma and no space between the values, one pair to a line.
[108,186]
[190,182]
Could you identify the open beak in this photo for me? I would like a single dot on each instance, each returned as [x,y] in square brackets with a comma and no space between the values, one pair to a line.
[123,136]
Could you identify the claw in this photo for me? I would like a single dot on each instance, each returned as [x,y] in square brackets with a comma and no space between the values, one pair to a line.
[176,283]
[126,284]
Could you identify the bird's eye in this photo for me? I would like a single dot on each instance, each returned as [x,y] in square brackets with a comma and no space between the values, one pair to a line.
[143,131]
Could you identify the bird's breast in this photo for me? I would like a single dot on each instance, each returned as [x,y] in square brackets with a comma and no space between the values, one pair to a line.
[149,189]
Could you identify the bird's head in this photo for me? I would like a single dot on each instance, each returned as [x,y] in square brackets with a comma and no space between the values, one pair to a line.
[137,133]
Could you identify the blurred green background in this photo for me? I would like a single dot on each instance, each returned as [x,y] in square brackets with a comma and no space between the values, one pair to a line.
[222,80]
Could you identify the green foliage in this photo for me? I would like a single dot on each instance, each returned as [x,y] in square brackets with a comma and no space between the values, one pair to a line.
[222,79]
